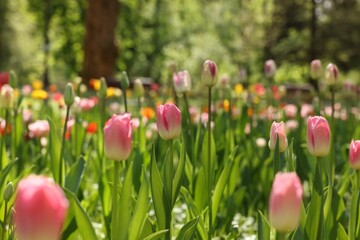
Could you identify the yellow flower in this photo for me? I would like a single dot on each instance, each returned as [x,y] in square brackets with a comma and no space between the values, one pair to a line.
[239,88]
[113,92]
[226,105]
[95,84]
[39,94]
[37,85]
[256,99]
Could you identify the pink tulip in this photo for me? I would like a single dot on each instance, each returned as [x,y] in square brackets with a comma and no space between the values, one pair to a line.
[182,81]
[39,128]
[168,120]
[285,202]
[270,68]
[318,136]
[40,209]
[118,136]
[331,74]
[354,155]
[316,69]
[278,130]
[6,96]
[209,74]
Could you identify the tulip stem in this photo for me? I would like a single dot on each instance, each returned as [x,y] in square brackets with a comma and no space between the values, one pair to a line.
[125,100]
[4,138]
[319,190]
[280,236]
[114,224]
[4,222]
[209,166]
[62,165]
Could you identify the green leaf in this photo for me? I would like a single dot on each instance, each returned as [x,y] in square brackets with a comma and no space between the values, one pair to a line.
[220,186]
[140,211]
[341,233]
[187,231]
[178,175]
[157,191]
[277,163]
[353,208]
[125,206]
[75,175]
[4,172]
[263,227]
[313,216]
[205,157]
[157,235]
[54,149]
[82,219]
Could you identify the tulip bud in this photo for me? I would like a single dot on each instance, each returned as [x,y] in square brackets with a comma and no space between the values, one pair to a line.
[6,96]
[40,209]
[182,82]
[138,88]
[117,137]
[270,68]
[69,95]
[354,155]
[278,130]
[168,121]
[103,88]
[8,192]
[225,81]
[316,69]
[124,81]
[209,74]
[318,136]
[331,74]
[285,202]
[13,79]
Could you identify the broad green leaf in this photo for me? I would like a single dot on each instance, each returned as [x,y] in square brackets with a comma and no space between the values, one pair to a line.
[157,191]
[178,175]
[188,230]
[353,208]
[206,160]
[82,219]
[157,235]
[75,175]
[5,171]
[125,205]
[263,227]
[54,149]
[220,186]
[341,233]
[140,212]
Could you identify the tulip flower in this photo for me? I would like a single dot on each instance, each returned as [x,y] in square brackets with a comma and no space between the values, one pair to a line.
[209,74]
[270,68]
[316,69]
[354,155]
[40,209]
[318,136]
[182,81]
[118,136]
[6,96]
[138,88]
[168,120]
[285,202]
[331,74]
[278,130]
[39,128]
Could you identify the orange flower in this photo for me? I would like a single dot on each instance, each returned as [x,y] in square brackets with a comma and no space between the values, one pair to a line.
[95,84]
[91,128]
[148,112]
[226,105]
[2,129]
[250,112]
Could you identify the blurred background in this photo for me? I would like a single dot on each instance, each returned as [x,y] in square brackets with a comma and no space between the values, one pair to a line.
[57,40]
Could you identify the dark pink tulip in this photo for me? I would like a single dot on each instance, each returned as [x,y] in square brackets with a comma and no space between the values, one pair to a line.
[168,121]
[354,155]
[285,202]
[40,209]
[118,137]
[318,136]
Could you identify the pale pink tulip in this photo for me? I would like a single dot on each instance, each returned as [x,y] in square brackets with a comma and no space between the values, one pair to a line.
[6,96]
[39,128]
[40,209]
[285,202]
[182,81]
[118,136]
[168,120]
[209,74]
[354,155]
[278,130]
[318,136]
[316,69]
[331,74]
[270,68]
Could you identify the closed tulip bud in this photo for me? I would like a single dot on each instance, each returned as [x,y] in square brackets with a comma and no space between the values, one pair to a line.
[354,155]
[209,74]
[270,68]
[13,79]
[6,96]
[318,136]
[278,130]
[316,69]
[69,95]
[331,74]
[118,137]
[40,209]
[138,88]
[8,192]
[182,82]
[103,88]
[168,121]
[285,202]
[124,81]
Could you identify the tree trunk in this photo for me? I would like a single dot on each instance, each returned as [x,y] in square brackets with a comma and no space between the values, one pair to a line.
[100,50]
